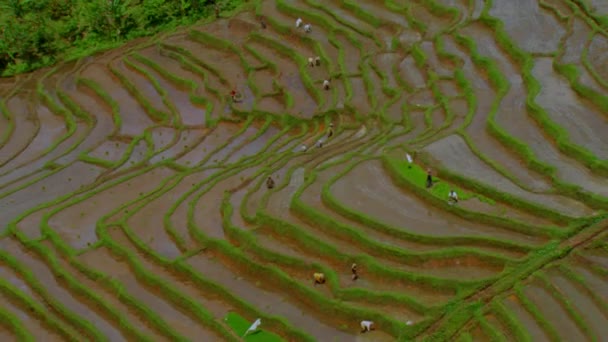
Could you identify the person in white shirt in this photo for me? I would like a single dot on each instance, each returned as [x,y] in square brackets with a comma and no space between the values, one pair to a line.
[410,160]
[452,197]
[311,62]
[326,84]
[307,28]
[319,278]
[367,326]
[298,22]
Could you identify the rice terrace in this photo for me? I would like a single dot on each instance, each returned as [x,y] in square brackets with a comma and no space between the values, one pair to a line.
[274,164]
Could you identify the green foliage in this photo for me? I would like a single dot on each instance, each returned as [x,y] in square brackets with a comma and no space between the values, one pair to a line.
[39,33]
[239,324]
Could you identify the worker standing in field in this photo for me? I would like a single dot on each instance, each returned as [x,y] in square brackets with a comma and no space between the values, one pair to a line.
[429,179]
[410,160]
[353,269]
[452,197]
[330,132]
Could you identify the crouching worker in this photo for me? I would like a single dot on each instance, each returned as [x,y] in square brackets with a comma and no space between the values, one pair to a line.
[326,84]
[367,326]
[236,96]
[319,278]
[270,183]
[452,197]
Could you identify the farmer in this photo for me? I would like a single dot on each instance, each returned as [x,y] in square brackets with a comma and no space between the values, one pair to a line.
[318,60]
[367,326]
[326,84]
[236,96]
[298,22]
[319,143]
[452,197]
[353,269]
[263,23]
[429,179]
[319,278]
[410,160]
[307,28]
[270,183]
[311,62]
[331,130]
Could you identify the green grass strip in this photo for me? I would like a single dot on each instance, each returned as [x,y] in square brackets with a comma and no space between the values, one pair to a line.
[99,91]
[533,310]
[576,316]
[82,325]
[76,287]
[39,311]
[489,329]
[240,325]
[15,325]
[504,315]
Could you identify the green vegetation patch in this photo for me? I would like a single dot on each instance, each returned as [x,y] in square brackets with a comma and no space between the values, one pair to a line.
[240,325]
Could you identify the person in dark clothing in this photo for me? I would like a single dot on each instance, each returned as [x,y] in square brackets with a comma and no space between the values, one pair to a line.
[353,269]
[270,183]
[429,179]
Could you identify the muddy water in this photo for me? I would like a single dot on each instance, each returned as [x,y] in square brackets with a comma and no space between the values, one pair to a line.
[207,209]
[181,197]
[582,302]
[116,304]
[485,95]
[554,312]
[55,290]
[217,308]
[134,117]
[26,129]
[409,72]
[576,41]
[189,113]
[311,197]
[147,224]
[103,261]
[37,328]
[378,198]
[533,328]
[585,124]
[143,85]
[532,27]
[188,141]
[52,129]
[454,154]
[271,302]
[55,185]
[597,56]
[77,223]
[203,148]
